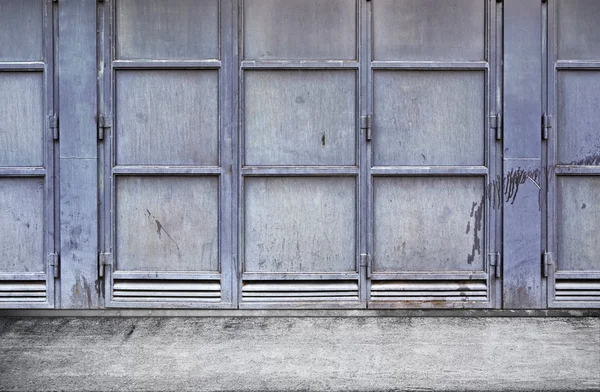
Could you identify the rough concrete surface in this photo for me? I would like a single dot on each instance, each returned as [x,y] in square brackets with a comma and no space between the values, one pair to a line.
[293,354]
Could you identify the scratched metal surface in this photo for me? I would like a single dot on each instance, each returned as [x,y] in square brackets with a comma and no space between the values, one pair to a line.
[166,117]
[412,230]
[174,29]
[300,30]
[21,29]
[22,225]
[429,30]
[22,108]
[424,118]
[237,148]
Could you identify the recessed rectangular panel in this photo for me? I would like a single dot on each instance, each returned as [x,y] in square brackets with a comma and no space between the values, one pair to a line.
[21,27]
[429,118]
[429,224]
[167,223]
[300,224]
[21,119]
[300,117]
[167,117]
[578,29]
[167,29]
[578,117]
[578,228]
[300,30]
[21,225]
[409,30]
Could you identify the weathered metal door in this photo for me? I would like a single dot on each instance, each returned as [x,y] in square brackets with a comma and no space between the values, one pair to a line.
[28,260]
[433,202]
[299,182]
[165,121]
[572,263]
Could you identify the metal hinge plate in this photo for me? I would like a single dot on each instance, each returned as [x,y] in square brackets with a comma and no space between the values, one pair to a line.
[546,263]
[496,263]
[54,262]
[53,125]
[546,124]
[104,260]
[366,263]
[103,124]
[496,125]
[365,123]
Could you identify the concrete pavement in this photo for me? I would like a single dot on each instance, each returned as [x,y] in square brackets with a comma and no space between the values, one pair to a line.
[300,353]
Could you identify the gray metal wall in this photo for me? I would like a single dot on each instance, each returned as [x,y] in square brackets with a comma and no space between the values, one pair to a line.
[299,154]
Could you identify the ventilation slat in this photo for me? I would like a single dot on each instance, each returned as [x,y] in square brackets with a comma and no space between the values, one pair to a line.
[438,286]
[299,294]
[166,285]
[23,299]
[141,290]
[429,290]
[299,299]
[23,286]
[478,293]
[14,291]
[574,290]
[22,294]
[168,299]
[299,291]
[433,299]
[166,294]
[298,286]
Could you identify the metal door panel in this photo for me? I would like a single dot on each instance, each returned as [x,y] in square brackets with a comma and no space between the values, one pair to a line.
[21,29]
[22,225]
[166,240]
[424,30]
[167,223]
[300,30]
[577,24]
[22,114]
[428,118]
[571,262]
[429,224]
[295,224]
[28,247]
[578,101]
[167,117]
[578,214]
[300,117]
[168,30]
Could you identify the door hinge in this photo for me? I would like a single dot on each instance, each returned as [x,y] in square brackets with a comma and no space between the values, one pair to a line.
[546,263]
[365,123]
[104,260]
[496,263]
[104,123]
[496,125]
[54,262]
[366,263]
[53,125]
[546,124]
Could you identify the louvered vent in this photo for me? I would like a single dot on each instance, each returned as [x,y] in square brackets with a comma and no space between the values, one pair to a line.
[12,291]
[578,290]
[299,291]
[429,290]
[139,290]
